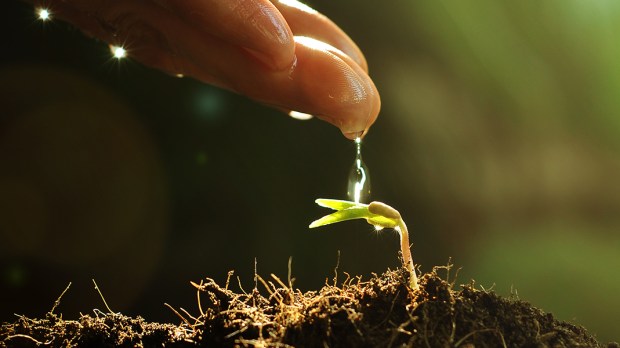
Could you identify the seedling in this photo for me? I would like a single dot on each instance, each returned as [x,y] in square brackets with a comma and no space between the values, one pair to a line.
[378,214]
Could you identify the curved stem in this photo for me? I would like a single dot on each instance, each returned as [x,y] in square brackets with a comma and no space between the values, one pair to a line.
[407,259]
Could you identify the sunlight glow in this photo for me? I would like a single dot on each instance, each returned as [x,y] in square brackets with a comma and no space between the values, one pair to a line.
[318,45]
[118,52]
[43,14]
[378,228]
[298,5]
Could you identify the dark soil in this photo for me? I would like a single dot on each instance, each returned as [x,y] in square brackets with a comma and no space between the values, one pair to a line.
[380,312]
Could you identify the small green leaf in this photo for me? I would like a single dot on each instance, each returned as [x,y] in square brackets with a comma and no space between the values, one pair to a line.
[337,204]
[342,215]
[347,210]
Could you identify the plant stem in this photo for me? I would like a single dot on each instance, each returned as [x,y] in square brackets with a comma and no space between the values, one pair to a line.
[407,259]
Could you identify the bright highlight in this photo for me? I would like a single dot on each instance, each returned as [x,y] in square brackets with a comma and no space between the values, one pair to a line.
[299,115]
[358,186]
[44,14]
[118,52]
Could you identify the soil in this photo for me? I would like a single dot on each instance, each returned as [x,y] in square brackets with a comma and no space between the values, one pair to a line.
[379,312]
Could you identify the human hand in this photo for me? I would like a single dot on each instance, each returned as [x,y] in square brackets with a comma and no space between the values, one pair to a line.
[281,53]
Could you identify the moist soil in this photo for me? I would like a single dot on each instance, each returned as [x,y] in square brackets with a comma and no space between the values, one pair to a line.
[380,312]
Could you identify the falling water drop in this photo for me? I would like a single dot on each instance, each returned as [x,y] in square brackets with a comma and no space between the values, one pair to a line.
[358,188]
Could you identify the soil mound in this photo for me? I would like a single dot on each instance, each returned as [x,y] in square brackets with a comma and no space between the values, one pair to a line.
[379,312]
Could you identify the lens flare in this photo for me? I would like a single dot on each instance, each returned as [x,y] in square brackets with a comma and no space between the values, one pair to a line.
[44,14]
[118,52]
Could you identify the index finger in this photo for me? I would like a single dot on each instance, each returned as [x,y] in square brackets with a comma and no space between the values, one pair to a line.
[305,21]
[255,25]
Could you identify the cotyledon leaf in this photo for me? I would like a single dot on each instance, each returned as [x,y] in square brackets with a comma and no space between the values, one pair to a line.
[347,210]
[341,215]
[337,204]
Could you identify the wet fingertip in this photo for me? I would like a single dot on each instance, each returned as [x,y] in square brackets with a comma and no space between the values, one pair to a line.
[354,135]
[350,135]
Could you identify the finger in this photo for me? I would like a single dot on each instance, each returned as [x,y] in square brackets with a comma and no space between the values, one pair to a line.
[324,82]
[256,25]
[340,90]
[305,21]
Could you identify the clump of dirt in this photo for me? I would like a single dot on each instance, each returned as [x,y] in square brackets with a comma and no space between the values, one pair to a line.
[379,312]
[102,330]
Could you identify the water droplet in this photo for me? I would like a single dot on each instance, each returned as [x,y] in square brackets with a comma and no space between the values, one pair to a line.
[358,187]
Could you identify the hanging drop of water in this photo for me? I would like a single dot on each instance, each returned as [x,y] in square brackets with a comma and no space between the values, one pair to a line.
[358,187]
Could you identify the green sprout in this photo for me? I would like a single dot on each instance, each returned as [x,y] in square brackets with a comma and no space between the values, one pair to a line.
[378,214]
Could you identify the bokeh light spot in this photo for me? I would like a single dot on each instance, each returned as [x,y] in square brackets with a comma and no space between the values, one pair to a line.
[209,104]
[43,14]
[201,158]
[118,52]
[14,275]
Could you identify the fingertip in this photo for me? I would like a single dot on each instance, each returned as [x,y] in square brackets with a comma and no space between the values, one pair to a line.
[256,26]
[358,121]
[275,45]
[352,135]
[338,88]
[305,21]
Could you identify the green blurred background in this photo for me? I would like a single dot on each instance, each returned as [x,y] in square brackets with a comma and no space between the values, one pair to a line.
[498,141]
